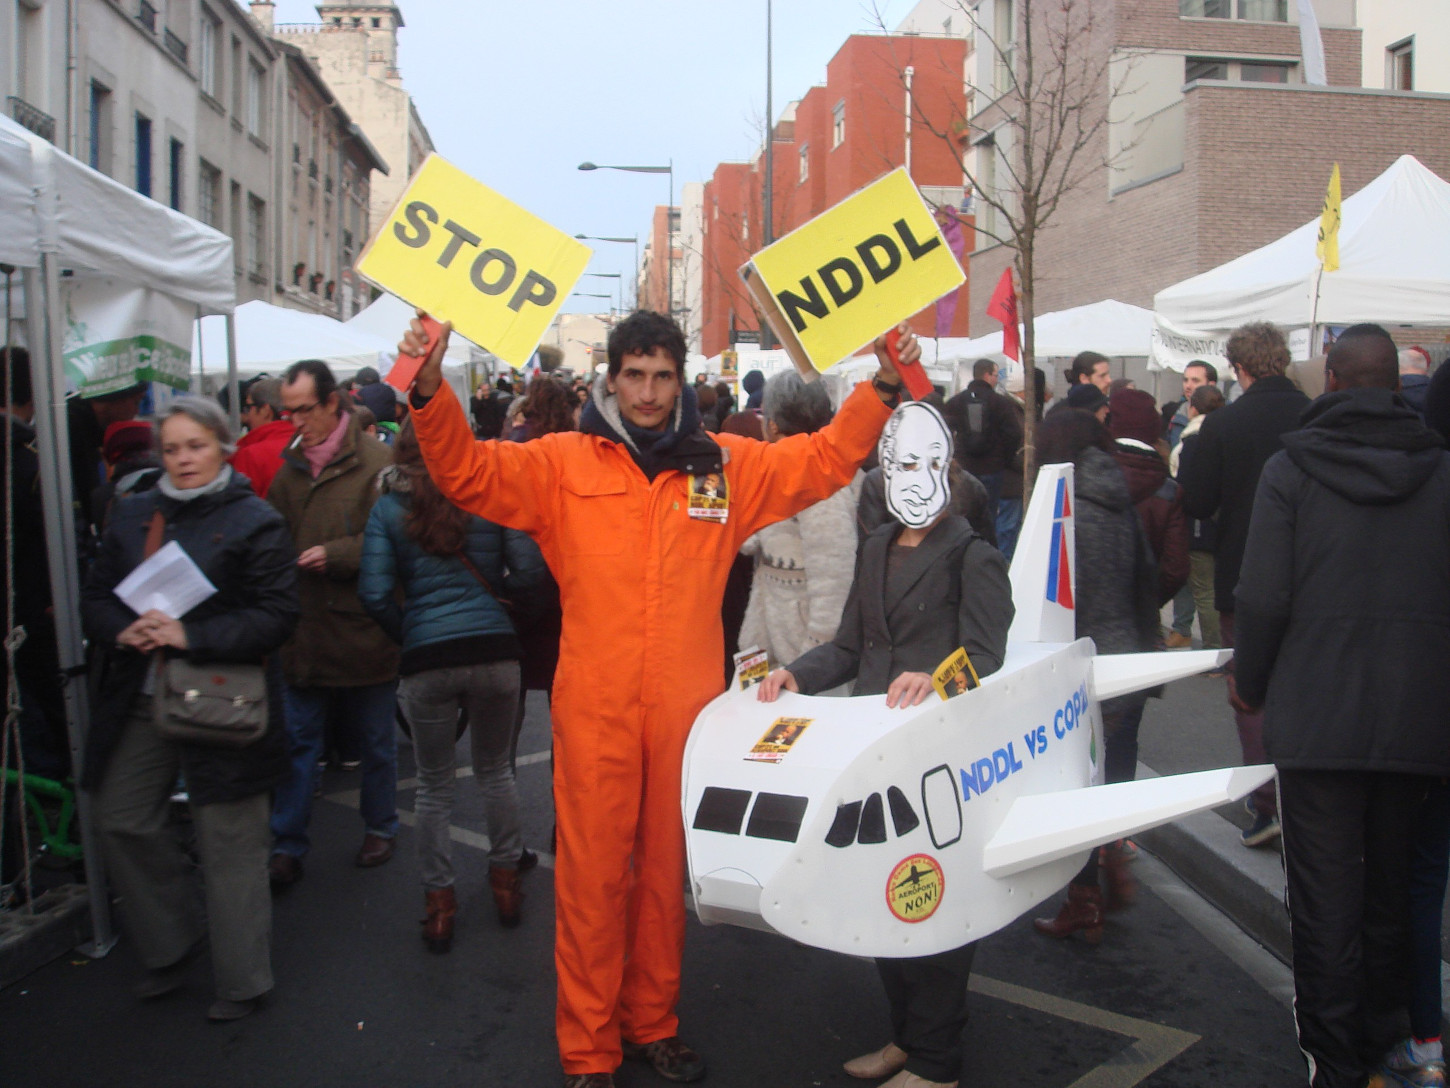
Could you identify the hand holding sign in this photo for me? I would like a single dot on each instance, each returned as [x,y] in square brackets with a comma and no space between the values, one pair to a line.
[424,343]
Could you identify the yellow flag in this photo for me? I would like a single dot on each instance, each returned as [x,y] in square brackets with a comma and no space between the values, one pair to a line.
[1327,249]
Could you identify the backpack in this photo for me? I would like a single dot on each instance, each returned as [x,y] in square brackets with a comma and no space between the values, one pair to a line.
[975,439]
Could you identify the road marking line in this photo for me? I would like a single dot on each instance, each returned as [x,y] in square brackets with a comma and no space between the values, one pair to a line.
[1153,1045]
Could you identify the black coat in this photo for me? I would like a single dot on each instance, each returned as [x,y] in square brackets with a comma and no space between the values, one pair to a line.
[242,545]
[1117,577]
[1001,430]
[958,596]
[1219,473]
[1342,631]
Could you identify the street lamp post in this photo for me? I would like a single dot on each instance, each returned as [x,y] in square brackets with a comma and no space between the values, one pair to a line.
[612,276]
[627,241]
[669,220]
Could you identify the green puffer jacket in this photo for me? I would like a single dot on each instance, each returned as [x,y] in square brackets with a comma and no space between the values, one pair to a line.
[337,644]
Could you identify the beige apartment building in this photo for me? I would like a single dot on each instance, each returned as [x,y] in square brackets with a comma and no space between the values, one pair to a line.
[1214,144]
[355,48]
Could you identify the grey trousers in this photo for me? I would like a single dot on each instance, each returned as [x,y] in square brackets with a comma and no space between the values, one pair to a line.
[152,873]
[430,701]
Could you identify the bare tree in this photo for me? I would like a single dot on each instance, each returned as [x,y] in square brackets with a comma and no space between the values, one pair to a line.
[1041,117]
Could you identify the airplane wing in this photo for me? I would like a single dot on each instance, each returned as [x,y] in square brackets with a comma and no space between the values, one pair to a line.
[1045,827]
[1122,674]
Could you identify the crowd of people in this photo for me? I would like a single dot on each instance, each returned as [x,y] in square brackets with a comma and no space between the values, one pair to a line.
[381,560]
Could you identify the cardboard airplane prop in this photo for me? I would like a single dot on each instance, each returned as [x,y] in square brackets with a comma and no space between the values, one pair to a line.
[904,832]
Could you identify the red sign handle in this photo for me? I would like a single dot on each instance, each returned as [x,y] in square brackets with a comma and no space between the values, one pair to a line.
[406,367]
[913,375]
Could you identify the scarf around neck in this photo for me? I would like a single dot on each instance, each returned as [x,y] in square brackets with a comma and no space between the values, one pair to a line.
[218,484]
[321,455]
[653,451]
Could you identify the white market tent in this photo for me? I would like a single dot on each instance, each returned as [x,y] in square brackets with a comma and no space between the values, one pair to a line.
[1394,266]
[58,214]
[1115,329]
[386,319]
[270,338]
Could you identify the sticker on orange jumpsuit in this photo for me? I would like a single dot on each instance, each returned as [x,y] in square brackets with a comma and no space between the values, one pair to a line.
[710,497]
[914,889]
[778,739]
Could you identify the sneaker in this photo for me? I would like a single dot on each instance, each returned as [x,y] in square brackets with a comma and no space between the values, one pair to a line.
[671,1059]
[1265,829]
[1400,1068]
[1175,641]
[1250,807]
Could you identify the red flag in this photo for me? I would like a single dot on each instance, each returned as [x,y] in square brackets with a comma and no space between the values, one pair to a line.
[1003,306]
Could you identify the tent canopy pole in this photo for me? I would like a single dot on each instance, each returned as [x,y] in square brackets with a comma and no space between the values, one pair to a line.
[42,304]
[234,403]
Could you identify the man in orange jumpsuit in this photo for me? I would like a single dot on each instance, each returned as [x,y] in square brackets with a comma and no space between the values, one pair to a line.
[641,551]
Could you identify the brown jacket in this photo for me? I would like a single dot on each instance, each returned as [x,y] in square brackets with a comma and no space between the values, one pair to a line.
[336,644]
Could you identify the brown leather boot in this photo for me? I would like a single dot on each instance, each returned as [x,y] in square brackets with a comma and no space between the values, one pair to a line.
[441,905]
[507,895]
[1083,912]
[1122,887]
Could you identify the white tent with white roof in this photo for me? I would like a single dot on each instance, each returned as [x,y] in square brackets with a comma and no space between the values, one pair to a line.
[1394,266]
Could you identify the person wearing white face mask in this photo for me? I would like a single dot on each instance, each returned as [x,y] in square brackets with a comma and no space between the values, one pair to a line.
[926,584]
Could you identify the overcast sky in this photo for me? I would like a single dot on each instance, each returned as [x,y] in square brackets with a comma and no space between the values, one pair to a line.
[518,94]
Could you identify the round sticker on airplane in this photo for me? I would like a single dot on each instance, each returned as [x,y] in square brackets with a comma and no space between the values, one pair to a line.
[914,889]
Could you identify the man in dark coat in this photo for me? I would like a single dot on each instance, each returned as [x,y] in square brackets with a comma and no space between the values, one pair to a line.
[986,431]
[339,661]
[1219,477]
[1343,635]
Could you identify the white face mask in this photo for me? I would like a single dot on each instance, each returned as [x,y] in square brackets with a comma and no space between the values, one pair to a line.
[916,455]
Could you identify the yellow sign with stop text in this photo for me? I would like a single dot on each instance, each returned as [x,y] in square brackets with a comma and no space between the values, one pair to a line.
[468,255]
[839,281]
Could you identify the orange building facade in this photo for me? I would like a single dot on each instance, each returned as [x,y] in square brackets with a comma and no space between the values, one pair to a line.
[838,138]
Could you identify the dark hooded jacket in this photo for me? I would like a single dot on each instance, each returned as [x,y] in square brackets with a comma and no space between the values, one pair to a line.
[242,546]
[1117,580]
[1159,503]
[1343,618]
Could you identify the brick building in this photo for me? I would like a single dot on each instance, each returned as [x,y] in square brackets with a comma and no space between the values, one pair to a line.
[836,139]
[1214,147]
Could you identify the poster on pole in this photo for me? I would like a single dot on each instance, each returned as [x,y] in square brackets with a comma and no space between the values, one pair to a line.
[466,254]
[117,334]
[831,286]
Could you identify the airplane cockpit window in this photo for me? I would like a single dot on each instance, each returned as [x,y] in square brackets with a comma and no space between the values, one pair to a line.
[722,810]
[902,815]
[943,806]
[777,816]
[873,821]
[843,827]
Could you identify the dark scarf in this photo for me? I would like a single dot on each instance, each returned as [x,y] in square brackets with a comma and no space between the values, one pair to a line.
[682,445]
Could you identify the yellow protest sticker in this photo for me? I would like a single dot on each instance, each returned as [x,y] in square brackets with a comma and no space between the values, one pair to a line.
[856,270]
[955,675]
[466,254]
[915,888]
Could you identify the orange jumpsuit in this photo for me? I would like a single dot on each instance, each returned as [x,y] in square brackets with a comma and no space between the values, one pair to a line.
[641,583]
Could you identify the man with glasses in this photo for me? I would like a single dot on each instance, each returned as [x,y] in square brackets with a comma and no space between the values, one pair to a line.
[1219,474]
[259,451]
[339,662]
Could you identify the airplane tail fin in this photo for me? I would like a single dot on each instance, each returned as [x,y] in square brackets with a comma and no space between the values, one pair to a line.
[1044,566]
[1046,827]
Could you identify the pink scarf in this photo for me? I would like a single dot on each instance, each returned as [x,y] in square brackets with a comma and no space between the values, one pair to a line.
[321,455]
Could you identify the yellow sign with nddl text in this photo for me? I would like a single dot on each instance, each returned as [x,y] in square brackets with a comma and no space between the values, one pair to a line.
[842,279]
[462,252]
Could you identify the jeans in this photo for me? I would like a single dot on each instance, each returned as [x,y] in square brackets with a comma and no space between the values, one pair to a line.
[430,701]
[372,708]
[1009,523]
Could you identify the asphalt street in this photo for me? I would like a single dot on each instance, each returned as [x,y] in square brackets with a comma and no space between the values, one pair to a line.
[1174,996]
